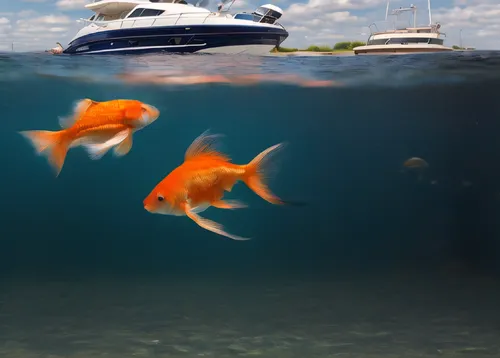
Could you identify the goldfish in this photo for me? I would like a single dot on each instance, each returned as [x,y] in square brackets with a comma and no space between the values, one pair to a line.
[97,126]
[202,179]
[418,165]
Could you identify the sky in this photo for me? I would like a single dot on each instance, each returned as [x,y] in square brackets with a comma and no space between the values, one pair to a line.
[34,25]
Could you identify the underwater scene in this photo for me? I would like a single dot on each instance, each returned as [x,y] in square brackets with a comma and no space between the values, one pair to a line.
[274,207]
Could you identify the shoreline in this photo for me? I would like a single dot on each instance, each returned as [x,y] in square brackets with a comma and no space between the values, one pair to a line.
[314,53]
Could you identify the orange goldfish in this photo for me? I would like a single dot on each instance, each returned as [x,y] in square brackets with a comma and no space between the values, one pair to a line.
[97,126]
[201,180]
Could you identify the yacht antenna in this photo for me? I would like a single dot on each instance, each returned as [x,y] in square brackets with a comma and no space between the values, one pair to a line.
[232,2]
[430,16]
[387,10]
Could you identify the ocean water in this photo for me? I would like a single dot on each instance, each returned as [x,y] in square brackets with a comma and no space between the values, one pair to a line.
[380,262]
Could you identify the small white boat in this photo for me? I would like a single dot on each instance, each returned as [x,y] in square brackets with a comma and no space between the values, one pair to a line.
[405,40]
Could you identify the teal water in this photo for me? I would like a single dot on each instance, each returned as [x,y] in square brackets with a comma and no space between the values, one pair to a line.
[377,264]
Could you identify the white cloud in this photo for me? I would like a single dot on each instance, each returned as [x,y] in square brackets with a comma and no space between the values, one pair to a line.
[325,22]
[26,13]
[41,32]
[5,27]
[478,22]
[72,4]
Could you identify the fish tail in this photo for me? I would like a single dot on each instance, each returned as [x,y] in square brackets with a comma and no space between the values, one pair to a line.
[258,170]
[52,144]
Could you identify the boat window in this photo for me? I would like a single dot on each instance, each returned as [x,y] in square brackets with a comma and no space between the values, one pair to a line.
[136,13]
[92,17]
[377,42]
[151,12]
[405,41]
[437,41]
[268,12]
[145,12]
[175,41]
[268,20]
[246,16]
[413,40]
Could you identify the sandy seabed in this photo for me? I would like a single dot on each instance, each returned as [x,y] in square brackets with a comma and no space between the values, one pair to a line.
[282,317]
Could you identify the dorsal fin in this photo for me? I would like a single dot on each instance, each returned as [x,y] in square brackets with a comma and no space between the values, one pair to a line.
[79,108]
[205,145]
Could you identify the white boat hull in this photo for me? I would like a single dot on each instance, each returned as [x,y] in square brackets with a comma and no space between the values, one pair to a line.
[399,49]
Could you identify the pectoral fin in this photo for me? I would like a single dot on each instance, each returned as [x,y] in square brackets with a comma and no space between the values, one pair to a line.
[228,204]
[210,225]
[98,150]
[124,147]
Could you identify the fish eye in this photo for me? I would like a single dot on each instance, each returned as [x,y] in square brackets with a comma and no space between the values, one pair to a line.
[160,198]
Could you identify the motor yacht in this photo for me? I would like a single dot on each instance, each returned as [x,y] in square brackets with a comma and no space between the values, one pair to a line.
[404,40]
[149,26]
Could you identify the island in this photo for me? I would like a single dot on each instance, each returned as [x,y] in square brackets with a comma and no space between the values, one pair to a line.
[340,48]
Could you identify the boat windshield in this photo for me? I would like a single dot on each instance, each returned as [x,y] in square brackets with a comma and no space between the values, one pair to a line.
[266,15]
[264,11]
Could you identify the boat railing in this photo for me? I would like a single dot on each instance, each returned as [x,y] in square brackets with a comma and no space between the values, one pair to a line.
[154,19]
[278,24]
[390,26]
[177,17]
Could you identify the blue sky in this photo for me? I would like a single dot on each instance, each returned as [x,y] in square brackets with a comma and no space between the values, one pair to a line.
[38,24]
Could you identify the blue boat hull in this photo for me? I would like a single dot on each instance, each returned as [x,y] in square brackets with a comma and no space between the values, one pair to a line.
[177,39]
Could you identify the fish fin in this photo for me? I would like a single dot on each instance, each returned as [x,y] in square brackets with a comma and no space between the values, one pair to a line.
[80,107]
[53,145]
[258,170]
[211,225]
[200,208]
[228,204]
[98,150]
[124,147]
[205,145]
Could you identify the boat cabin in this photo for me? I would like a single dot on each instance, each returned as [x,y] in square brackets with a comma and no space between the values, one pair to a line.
[268,14]
[410,35]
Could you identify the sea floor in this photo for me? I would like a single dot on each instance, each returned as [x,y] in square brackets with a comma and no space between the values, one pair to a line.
[361,316]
